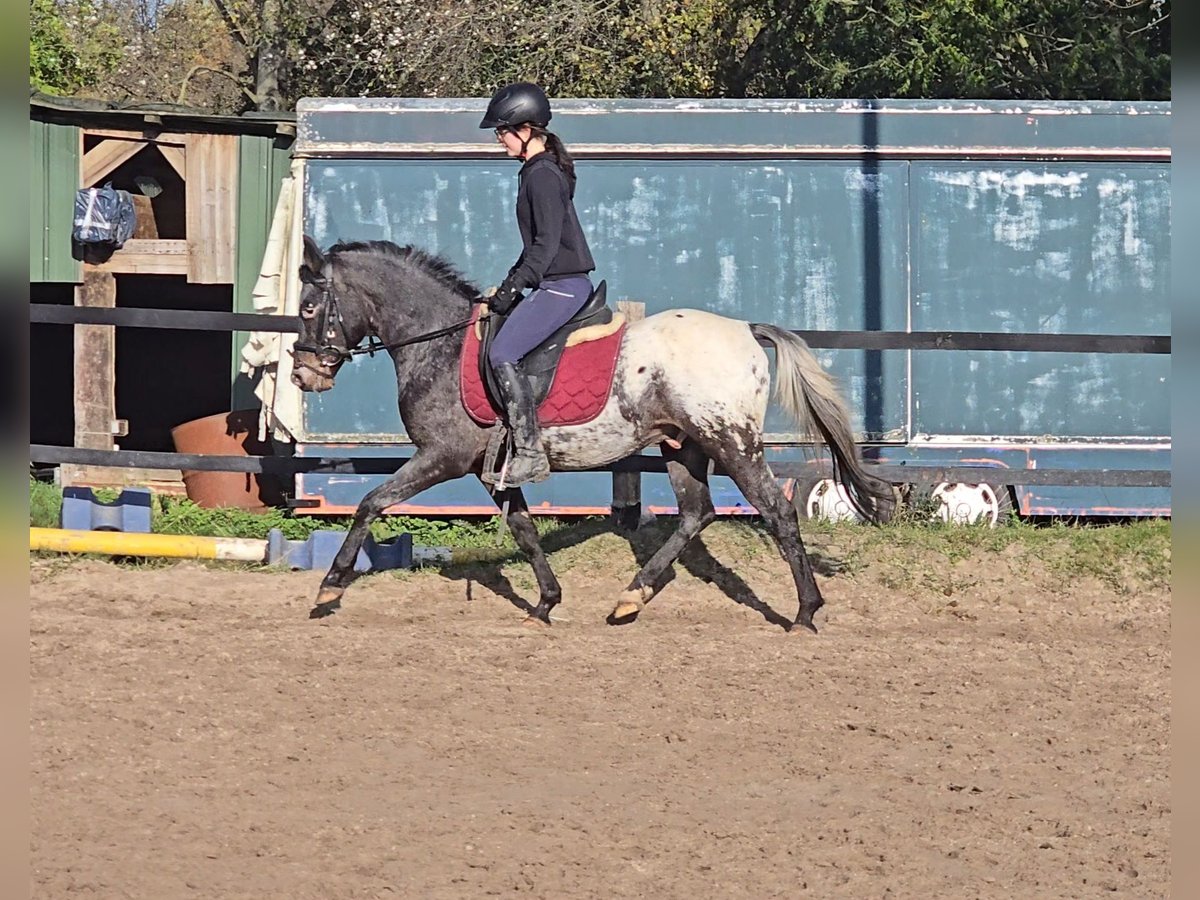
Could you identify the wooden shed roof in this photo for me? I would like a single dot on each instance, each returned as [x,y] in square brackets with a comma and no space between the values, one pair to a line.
[93,113]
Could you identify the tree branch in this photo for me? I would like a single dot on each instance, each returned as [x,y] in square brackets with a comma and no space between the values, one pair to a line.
[235,27]
[183,86]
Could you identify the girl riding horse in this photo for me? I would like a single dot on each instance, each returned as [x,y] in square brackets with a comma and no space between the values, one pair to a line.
[555,262]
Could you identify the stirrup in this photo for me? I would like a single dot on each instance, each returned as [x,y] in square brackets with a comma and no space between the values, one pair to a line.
[493,474]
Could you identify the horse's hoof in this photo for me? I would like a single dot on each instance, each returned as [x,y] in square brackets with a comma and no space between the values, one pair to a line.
[626,610]
[535,623]
[624,614]
[799,627]
[632,602]
[329,594]
[329,601]
[321,610]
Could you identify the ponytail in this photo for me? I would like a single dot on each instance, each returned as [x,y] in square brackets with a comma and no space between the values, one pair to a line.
[558,150]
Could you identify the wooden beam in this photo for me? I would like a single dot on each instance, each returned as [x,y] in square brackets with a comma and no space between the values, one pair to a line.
[176,156]
[149,257]
[149,136]
[212,208]
[145,225]
[160,481]
[95,400]
[107,156]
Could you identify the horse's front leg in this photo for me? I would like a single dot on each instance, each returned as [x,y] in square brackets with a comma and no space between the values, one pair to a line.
[524,532]
[419,473]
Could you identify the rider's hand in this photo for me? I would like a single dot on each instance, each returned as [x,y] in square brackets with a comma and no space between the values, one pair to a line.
[504,299]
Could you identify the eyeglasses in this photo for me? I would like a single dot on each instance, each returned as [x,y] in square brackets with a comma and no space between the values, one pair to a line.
[501,132]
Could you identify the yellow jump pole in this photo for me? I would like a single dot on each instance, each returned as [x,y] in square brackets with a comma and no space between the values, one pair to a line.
[121,543]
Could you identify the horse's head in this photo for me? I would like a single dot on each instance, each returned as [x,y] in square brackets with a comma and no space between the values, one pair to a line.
[327,335]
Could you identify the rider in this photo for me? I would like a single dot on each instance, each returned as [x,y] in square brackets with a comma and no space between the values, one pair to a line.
[555,262]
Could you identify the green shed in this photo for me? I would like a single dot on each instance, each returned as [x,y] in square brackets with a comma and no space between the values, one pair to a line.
[205,189]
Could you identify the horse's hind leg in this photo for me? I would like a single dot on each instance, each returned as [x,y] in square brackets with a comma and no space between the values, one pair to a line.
[520,523]
[687,468]
[754,479]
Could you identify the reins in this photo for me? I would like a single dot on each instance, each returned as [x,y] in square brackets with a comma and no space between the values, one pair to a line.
[331,354]
[374,344]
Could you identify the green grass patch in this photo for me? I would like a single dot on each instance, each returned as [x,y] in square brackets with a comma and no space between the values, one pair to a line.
[914,550]
[905,553]
[45,505]
[177,515]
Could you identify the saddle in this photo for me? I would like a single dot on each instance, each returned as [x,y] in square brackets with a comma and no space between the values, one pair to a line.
[541,363]
[571,373]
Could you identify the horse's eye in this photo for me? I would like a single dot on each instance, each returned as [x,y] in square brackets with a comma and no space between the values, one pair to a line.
[308,311]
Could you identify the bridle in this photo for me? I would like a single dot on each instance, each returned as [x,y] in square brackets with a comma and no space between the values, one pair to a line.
[333,352]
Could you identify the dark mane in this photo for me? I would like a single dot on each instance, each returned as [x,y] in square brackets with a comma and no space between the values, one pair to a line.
[432,265]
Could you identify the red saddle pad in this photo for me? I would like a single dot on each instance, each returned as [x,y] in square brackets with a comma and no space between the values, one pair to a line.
[580,389]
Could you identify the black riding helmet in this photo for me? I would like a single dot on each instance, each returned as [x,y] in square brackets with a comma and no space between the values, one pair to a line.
[517,104]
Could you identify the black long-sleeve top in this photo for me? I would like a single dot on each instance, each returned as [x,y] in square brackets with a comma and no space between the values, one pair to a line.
[554,243]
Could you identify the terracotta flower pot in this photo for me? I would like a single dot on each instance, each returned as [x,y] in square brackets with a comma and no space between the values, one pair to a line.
[227,434]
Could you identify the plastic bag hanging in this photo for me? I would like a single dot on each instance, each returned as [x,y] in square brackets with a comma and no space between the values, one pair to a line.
[104,216]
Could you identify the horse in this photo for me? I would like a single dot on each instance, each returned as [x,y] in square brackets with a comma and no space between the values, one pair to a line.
[693,382]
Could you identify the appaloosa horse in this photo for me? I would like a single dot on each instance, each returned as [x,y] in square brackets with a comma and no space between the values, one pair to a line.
[693,382]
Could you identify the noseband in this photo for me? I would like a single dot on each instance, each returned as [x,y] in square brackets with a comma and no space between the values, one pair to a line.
[329,353]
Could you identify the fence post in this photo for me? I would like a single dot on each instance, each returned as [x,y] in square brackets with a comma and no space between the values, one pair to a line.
[627,486]
[94,397]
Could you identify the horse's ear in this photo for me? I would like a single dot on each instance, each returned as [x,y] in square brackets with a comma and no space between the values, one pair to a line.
[314,261]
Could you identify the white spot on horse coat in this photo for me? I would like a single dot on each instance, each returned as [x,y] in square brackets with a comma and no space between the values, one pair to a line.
[708,369]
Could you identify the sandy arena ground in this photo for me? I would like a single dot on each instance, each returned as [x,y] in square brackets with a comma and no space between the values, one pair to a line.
[195,735]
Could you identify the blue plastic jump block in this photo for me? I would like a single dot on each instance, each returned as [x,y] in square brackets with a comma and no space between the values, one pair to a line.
[81,511]
[318,551]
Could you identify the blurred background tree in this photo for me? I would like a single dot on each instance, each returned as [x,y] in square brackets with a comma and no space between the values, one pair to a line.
[233,55]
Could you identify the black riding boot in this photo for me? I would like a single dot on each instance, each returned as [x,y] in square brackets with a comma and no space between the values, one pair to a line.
[528,462]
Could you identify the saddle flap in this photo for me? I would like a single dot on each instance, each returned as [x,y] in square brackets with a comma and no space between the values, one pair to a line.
[540,363]
[572,393]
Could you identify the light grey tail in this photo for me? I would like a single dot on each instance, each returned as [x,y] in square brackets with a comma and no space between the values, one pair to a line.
[810,396]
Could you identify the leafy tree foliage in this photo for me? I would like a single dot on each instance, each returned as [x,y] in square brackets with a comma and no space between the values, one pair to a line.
[233,54]
[71,48]
[1044,49]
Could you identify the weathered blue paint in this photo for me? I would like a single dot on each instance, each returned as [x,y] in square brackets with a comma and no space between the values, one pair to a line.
[787,242]
[581,492]
[1047,500]
[1050,247]
[585,492]
[591,492]
[382,126]
[927,215]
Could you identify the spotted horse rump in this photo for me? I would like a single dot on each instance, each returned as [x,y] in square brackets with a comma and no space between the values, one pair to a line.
[581,383]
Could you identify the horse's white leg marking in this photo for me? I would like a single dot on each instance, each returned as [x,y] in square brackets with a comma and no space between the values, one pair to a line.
[632,602]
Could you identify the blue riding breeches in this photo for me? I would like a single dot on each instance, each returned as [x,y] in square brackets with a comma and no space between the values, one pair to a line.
[537,317]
